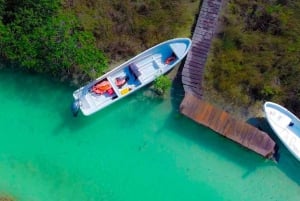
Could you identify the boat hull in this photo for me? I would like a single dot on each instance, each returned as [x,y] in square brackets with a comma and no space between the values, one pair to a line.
[285,125]
[133,75]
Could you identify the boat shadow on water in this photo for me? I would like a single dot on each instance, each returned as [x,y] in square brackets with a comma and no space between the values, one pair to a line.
[286,162]
[208,139]
[230,150]
[74,125]
[144,96]
[40,97]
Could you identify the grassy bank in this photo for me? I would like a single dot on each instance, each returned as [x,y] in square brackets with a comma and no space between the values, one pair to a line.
[124,28]
[255,57]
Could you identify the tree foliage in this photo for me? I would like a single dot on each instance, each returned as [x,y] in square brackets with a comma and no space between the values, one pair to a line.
[256,55]
[65,37]
[41,36]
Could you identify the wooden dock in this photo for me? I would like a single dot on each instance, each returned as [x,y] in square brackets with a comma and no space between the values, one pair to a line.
[192,74]
[193,69]
[224,124]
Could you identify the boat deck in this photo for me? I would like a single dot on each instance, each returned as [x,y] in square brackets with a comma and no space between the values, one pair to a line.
[285,125]
[138,72]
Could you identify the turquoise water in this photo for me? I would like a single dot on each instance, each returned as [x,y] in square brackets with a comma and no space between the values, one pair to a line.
[140,148]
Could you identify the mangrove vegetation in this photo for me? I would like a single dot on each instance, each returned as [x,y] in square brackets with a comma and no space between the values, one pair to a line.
[77,39]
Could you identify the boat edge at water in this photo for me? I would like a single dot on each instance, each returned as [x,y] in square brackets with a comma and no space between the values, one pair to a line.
[288,123]
[155,69]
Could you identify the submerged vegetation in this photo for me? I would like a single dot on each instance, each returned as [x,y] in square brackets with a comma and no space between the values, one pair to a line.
[68,38]
[6,198]
[255,56]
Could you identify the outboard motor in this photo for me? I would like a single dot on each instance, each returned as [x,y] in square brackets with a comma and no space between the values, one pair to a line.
[75,107]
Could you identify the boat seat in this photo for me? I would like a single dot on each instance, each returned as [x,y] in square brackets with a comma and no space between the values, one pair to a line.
[282,120]
[135,71]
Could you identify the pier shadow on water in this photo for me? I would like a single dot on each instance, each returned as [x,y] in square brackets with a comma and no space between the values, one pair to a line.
[37,91]
[230,150]
[287,163]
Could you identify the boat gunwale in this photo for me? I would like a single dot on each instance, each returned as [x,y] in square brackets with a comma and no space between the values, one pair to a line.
[148,79]
[289,130]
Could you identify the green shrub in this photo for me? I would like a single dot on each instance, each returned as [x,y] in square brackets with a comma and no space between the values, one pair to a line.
[43,37]
[74,38]
[162,84]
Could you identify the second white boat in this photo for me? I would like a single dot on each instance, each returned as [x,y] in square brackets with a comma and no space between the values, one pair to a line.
[285,125]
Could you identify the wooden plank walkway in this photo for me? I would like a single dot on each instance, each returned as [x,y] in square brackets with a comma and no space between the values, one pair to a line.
[192,74]
[193,69]
[221,122]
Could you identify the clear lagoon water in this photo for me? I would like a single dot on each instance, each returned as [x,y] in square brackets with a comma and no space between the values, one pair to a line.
[140,148]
